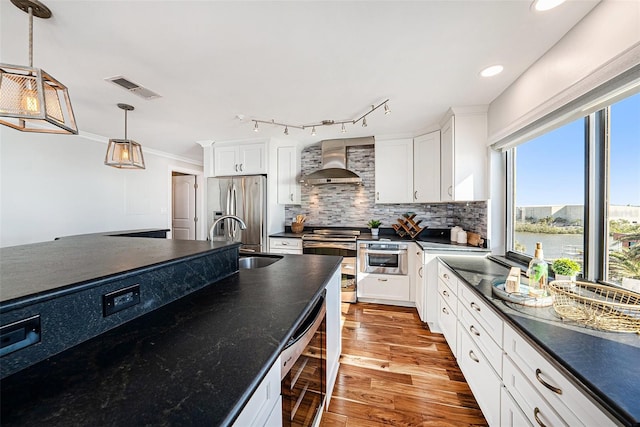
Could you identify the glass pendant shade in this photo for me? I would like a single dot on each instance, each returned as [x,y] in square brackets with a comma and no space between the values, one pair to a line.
[124,154]
[31,100]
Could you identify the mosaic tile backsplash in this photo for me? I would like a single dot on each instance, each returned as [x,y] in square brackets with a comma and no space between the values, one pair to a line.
[345,205]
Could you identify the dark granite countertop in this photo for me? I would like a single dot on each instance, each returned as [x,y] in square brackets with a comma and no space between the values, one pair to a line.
[429,239]
[195,361]
[609,370]
[34,270]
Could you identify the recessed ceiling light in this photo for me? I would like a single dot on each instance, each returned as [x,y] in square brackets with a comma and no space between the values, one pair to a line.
[542,5]
[492,71]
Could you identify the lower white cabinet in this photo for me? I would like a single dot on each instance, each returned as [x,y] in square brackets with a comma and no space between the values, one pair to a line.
[333,333]
[259,410]
[384,287]
[528,372]
[284,245]
[482,379]
[448,323]
[418,276]
[510,413]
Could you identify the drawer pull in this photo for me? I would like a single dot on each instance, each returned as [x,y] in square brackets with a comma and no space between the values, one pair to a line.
[444,310]
[420,272]
[474,331]
[382,280]
[546,384]
[445,293]
[446,276]
[475,306]
[473,357]
[536,411]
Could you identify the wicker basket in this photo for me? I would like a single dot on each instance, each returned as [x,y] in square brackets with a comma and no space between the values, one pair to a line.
[599,306]
[297,227]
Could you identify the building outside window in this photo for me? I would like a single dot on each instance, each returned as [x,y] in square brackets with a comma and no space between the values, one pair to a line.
[554,201]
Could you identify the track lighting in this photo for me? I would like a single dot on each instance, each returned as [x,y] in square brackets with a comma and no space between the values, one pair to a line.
[362,118]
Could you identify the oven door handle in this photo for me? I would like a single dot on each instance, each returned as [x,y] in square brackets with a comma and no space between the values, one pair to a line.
[383,252]
[312,245]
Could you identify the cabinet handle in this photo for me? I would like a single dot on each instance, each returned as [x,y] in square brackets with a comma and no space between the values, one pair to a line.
[291,196]
[420,272]
[236,168]
[473,357]
[284,244]
[446,276]
[474,331]
[449,191]
[241,167]
[444,310]
[475,307]
[377,195]
[382,280]
[546,384]
[445,293]
[536,411]
[415,195]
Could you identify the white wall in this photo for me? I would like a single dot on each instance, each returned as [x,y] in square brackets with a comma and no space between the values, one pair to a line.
[58,185]
[594,47]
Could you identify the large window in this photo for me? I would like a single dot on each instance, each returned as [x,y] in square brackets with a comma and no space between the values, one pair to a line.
[576,190]
[623,208]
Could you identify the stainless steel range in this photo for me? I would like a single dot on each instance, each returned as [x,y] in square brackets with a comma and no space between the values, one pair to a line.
[339,242]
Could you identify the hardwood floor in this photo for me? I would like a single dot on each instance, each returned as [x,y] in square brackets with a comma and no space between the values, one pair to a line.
[394,371]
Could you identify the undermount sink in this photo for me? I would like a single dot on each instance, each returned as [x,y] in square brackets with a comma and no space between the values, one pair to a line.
[250,262]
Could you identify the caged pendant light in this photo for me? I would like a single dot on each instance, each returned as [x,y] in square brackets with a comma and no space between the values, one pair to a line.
[124,153]
[31,100]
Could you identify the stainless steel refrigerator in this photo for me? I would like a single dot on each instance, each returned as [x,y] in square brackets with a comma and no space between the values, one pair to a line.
[245,197]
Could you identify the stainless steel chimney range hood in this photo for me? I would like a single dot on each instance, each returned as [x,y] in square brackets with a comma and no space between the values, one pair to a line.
[334,162]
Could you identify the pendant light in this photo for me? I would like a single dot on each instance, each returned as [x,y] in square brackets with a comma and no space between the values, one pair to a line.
[124,153]
[31,100]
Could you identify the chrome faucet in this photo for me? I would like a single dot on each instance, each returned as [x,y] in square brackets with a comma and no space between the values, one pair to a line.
[243,226]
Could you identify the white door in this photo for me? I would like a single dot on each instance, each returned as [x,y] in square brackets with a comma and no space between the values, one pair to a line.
[184,207]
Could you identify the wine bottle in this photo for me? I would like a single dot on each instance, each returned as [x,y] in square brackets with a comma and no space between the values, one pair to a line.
[538,273]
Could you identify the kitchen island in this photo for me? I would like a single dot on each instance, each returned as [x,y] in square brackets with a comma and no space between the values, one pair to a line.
[602,365]
[193,361]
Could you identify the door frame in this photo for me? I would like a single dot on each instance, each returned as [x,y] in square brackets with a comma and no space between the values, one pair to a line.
[201,226]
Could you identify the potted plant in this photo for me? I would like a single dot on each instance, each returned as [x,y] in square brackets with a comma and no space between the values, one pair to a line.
[565,269]
[373,225]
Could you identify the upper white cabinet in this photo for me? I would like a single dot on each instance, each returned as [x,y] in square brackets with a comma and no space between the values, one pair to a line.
[239,159]
[426,168]
[408,170]
[394,170]
[288,171]
[464,155]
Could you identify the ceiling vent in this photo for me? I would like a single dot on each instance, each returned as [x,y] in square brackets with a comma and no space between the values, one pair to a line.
[132,87]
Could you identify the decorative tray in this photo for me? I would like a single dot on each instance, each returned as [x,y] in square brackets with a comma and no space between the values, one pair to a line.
[522,297]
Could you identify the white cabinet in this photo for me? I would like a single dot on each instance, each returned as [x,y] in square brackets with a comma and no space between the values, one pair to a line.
[510,413]
[239,159]
[426,168]
[538,386]
[394,171]
[259,410]
[408,170]
[447,306]
[420,281]
[288,171]
[285,245]
[333,333]
[384,288]
[483,381]
[464,155]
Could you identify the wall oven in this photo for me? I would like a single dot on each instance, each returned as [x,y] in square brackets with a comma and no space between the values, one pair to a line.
[383,258]
[304,367]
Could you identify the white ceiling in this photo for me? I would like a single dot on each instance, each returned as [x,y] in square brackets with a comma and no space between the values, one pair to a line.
[293,61]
